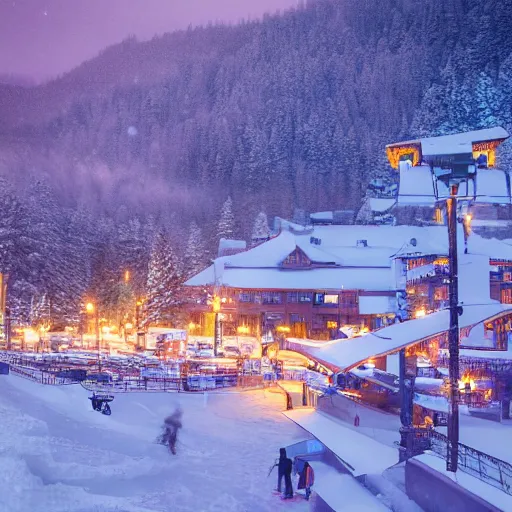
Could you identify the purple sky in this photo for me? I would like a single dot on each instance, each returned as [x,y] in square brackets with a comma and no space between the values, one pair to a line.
[42,38]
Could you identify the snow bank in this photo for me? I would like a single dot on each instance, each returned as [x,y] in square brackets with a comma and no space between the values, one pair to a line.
[58,455]
[360,454]
[491,494]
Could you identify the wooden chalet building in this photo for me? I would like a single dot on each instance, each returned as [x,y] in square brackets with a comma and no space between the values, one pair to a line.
[326,280]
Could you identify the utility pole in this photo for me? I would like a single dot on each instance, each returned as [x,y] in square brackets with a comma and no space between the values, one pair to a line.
[453,335]
[98,338]
[7,327]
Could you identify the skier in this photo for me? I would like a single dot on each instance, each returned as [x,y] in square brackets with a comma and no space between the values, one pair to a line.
[171,426]
[284,468]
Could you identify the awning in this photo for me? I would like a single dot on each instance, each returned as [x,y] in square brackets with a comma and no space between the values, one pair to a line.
[343,492]
[360,454]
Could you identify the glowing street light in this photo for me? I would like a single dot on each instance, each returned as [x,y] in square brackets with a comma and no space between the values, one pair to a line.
[216,304]
[420,313]
[89,307]
[126,276]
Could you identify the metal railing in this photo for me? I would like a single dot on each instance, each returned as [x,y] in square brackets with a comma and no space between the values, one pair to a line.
[491,470]
[40,377]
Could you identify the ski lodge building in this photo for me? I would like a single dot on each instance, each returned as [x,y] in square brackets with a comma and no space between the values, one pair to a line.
[329,281]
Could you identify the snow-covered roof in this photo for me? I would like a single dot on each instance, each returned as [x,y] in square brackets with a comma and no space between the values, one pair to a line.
[347,353]
[487,354]
[319,216]
[457,143]
[341,264]
[491,186]
[335,279]
[374,305]
[346,443]
[420,187]
[381,204]
[227,246]
[434,403]
[416,186]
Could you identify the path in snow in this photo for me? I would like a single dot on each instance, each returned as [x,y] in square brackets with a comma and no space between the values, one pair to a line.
[57,455]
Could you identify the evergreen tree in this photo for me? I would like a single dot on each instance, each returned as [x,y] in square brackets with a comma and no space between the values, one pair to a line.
[164,283]
[365,214]
[226,227]
[195,252]
[260,229]
[58,270]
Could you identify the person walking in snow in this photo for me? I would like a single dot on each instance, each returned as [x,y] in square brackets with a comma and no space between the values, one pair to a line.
[306,477]
[284,470]
[172,425]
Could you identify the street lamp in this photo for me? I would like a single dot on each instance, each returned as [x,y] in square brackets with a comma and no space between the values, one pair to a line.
[90,308]
[458,169]
[217,340]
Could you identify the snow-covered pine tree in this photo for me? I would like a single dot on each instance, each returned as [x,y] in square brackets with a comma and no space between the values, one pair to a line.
[226,227]
[365,214]
[134,253]
[164,283]
[260,231]
[57,265]
[195,252]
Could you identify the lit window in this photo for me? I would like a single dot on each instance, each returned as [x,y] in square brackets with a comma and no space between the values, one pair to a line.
[271,298]
[331,299]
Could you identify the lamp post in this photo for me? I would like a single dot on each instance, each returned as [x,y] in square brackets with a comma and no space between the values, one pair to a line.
[90,308]
[217,339]
[81,326]
[453,334]
[460,168]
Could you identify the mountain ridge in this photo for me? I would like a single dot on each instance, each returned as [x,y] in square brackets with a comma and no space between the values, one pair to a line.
[290,111]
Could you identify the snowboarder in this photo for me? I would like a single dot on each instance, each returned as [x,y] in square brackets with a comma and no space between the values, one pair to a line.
[171,426]
[284,468]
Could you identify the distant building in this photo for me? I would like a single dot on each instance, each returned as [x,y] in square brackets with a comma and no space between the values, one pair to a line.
[421,163]
[337,217]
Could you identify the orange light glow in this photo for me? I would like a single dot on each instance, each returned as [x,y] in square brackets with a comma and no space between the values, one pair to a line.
[216,304]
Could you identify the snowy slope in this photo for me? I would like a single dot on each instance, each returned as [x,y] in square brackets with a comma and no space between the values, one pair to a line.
[57,455]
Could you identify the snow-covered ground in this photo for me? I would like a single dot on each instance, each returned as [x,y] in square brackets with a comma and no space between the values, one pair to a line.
[58,455]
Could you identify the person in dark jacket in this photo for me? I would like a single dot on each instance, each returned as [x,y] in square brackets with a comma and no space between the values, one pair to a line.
[284,468]
[96,405]
[172,425]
